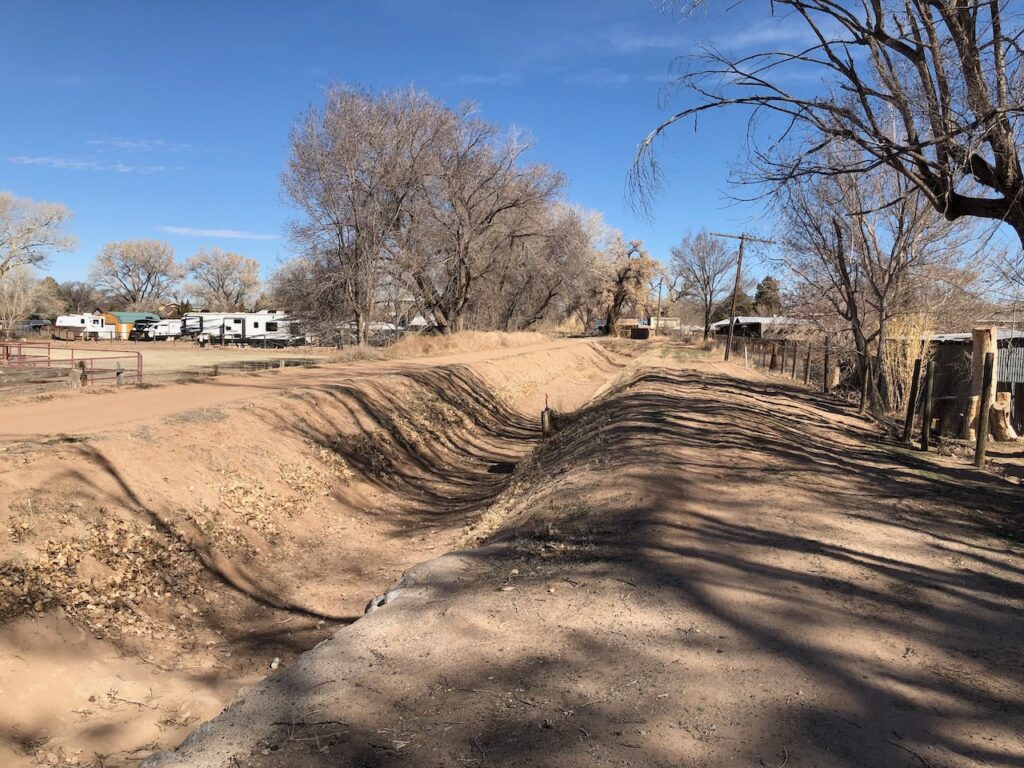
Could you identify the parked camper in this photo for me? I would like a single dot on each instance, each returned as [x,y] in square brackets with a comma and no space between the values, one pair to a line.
[155,330]
[269,328]
[166,329]
[85,326]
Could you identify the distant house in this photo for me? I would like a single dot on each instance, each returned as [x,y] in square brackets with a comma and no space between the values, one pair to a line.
[951,347]
[758,327]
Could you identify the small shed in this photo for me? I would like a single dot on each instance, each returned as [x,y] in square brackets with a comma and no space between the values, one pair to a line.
[952,354]
[123,322]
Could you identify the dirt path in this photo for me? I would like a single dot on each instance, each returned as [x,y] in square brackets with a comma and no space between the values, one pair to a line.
[707,568]
[103,410]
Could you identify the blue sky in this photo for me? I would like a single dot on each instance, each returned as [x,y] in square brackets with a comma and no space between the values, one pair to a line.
[170,120]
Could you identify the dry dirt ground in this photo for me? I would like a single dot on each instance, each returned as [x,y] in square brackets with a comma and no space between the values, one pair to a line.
[704,567]
[48,416]
[167,362]
[160,548]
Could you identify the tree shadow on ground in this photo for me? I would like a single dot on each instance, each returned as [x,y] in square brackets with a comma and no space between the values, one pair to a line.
[761,520]
[438,438]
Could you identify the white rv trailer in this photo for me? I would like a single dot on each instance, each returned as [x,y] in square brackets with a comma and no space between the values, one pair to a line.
[84,326]
[155,330]
[269,328]
[165,329]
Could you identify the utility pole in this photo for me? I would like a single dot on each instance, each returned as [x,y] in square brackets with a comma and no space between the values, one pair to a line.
[657,322]
[743,238]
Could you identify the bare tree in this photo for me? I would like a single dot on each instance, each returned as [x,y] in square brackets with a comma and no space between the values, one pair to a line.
[136,273]
[702,269]
[931,89]
[349,175]
[405,201]
[31,230]
[629,287]
[473,190]
[77,296]
[587,291]
[222,280]
[23,294]
[532,277]
[871,260]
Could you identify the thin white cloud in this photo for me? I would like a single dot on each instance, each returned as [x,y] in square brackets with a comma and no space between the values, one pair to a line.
[470,78]
[757,34]
[140,145]
[633,43]
[83,164]
[762,33]
[606,78]
[227,234]
[599,79]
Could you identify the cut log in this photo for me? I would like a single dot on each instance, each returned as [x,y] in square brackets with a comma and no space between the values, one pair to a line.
[999,425]
[984,340]
[971,418]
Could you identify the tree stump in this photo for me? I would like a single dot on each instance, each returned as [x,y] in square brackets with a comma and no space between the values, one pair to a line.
[971,418]
[999,425]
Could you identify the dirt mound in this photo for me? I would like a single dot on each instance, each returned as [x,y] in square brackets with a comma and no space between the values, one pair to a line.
[703,568]
[216,544]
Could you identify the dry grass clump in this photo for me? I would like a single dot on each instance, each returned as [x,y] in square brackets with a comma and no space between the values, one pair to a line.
[902,347]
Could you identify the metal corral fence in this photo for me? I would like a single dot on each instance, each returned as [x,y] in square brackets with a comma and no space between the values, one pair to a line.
[83,369]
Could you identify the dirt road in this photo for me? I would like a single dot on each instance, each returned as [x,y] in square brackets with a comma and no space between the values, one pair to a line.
[94,411]
[705,568]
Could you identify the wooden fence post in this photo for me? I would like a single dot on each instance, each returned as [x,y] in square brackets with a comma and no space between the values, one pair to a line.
[864,385]
[746,360]
[1018,405]
[807,366]
[782,369]
[772,364]
[915,385]
[825,375]
[985,406]
[926,408]
[796,347]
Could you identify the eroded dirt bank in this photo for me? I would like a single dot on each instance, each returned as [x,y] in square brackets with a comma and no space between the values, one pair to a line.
[704,568]
[149,571]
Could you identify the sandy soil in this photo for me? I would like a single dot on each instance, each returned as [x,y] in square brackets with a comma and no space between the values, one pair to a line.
[105,408]
[166,362]
[165,546]
[703,568]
